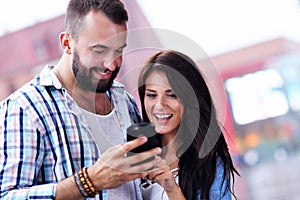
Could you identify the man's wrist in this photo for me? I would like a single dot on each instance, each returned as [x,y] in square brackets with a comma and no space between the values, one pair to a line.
[84,183]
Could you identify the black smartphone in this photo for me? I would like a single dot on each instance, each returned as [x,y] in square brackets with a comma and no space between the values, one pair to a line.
[143,129]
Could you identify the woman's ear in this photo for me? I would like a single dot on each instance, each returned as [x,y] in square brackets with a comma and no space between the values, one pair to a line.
[65,42]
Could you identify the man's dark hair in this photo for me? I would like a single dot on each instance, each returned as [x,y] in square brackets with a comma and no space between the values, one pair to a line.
[78,9]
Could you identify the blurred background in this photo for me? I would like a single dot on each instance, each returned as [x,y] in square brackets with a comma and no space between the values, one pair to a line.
[249,51]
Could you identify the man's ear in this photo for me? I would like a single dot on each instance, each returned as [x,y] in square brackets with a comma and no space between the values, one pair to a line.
[65,42]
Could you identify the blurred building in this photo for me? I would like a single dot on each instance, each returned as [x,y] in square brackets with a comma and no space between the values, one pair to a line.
[263,87]
[24,51]
[262,83]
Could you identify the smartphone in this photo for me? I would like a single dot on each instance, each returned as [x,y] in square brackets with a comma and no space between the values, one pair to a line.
[143,129]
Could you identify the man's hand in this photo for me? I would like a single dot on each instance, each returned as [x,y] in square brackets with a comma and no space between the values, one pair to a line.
[114,168]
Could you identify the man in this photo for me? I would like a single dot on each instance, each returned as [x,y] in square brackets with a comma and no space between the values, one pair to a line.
[62,136]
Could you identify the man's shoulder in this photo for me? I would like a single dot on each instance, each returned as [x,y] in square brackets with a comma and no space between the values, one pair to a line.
[31,93]
[24,90]
[34,87]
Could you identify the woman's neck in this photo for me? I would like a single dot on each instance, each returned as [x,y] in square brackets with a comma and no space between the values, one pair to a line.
[170,153]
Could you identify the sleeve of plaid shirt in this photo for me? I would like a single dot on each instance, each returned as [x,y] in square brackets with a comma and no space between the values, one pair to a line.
[21,147]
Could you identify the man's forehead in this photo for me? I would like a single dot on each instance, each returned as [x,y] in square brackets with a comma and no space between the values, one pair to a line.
[98,29]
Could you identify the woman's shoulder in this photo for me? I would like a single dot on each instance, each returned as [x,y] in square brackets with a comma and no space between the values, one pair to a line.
[221,185]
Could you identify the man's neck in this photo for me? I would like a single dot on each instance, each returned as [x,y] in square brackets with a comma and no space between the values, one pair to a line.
[98,103]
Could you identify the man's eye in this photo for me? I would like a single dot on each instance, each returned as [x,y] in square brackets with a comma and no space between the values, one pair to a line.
[99,52]
[119,51]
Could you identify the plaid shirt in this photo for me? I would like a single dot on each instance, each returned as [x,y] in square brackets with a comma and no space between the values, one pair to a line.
[44,138]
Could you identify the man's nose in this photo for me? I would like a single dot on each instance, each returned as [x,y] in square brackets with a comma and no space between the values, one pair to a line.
[111,62]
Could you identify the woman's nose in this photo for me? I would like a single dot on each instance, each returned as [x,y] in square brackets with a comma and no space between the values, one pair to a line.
[160,102]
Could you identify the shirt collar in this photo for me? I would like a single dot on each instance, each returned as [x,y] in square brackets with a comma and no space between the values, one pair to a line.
[48,78]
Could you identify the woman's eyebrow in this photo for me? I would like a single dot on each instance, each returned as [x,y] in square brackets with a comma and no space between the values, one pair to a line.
[167,90]
[150,90]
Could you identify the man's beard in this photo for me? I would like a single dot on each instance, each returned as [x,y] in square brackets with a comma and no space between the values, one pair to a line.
[84,76]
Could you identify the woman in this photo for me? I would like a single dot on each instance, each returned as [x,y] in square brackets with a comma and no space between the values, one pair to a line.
[196,163]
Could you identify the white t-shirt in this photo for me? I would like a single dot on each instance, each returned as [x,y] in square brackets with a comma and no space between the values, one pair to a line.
[153,191]
[107,132]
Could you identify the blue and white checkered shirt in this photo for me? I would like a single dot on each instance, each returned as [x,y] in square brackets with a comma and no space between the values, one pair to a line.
[44,138]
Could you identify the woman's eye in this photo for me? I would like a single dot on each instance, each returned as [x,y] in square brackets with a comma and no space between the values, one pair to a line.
[172,96]
[151,95]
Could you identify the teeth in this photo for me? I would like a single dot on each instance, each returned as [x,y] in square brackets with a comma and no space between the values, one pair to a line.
[162,116]
[100,70]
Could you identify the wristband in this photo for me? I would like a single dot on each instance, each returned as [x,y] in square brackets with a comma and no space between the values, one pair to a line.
[84,183]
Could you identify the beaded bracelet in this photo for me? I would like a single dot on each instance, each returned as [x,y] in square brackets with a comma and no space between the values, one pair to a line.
[84,183]
[80,185]
[92,189]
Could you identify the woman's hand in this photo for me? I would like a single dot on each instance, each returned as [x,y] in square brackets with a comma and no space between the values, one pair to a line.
[163,176]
